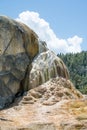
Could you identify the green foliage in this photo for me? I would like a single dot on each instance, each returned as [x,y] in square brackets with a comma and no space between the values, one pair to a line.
[77,65]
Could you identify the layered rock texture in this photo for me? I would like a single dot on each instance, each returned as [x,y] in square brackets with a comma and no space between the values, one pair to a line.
[46,66]
[34,84]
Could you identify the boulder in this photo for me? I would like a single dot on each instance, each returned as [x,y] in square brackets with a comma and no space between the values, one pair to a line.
[18,47]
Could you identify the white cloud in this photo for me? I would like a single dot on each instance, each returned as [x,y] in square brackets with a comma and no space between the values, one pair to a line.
[45,33]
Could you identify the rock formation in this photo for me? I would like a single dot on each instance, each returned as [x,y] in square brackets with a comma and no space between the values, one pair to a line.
[46,66]
[25,61]
[18,46]
[51,92]
[54,105]
[35,85]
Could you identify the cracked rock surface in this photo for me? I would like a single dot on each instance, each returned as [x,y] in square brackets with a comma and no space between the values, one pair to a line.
[18,46]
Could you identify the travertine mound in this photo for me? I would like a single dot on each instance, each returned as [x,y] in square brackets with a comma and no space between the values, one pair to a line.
[46,66]
[28,67]
[51,92]
[55,105]
[25,61]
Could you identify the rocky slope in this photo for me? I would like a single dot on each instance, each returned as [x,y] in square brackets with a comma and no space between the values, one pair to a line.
[35,90]
[55,105]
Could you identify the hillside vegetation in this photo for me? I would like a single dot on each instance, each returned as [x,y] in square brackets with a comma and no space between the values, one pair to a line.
[77,65]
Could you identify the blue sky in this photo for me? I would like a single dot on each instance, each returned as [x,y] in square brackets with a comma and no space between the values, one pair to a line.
[65,20]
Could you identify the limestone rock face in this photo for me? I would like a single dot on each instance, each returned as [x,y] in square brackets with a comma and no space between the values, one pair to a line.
[18,46]
[46,66]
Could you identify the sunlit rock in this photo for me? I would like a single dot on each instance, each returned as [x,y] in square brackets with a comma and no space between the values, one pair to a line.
[46,66]
[18,46]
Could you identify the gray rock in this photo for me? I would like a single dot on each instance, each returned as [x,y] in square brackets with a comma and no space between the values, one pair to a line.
[18,46]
